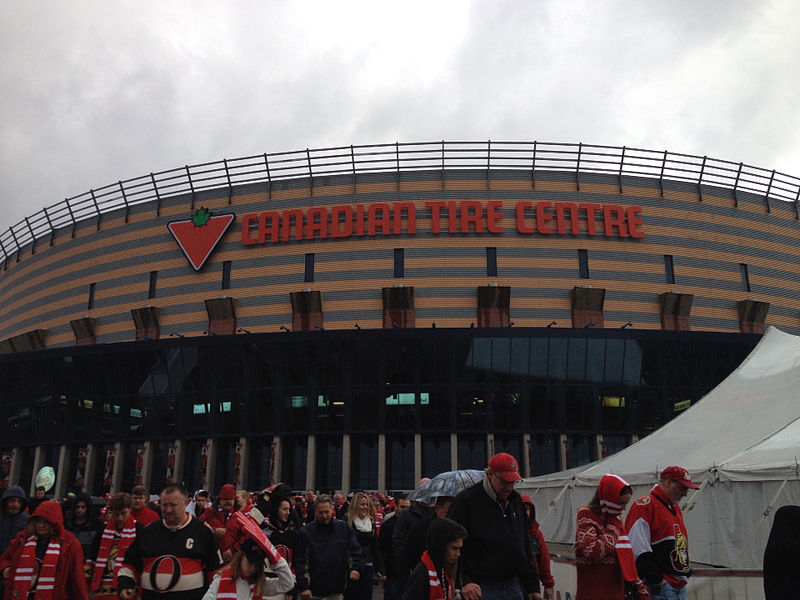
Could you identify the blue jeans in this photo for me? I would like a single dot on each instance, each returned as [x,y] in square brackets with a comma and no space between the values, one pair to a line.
[511,589]
[667,592]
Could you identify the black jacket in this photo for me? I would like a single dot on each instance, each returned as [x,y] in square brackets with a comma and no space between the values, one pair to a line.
[325,556]
[11,525]
[439,533]
[782,555]
[497,547]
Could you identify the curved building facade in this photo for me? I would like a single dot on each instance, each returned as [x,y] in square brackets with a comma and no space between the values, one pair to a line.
[360,317]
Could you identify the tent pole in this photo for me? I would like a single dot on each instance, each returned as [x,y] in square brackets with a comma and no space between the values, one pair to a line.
[752,534]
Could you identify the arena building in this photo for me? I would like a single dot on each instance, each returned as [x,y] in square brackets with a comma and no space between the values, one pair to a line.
[359,317]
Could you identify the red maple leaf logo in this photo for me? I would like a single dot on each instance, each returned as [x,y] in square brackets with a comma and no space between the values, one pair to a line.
[199,235]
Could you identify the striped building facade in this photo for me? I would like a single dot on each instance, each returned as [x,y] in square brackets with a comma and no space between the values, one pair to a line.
[472,270]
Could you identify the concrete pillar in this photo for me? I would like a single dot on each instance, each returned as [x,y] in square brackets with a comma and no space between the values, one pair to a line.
[211,466]
[599,447]
[16,466]
[417,457]
[489,446]
[382,461]
[563,450]
[453,451]
[277,460]
[180,461]
[147,466]
[61,473]
[91,465]
[634,438]
[526,455]
[38,463]
[119,462]
[346,457]
[244,453]
[311,462]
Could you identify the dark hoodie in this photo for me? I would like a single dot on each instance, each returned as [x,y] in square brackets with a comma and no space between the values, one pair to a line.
[70,581]
[11,525]
[440,533]
[780,556]
[88,533]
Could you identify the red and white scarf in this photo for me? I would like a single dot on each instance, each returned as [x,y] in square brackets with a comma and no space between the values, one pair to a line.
[609,493]
[227,586]
[127,536]
[26,570]
[435,589]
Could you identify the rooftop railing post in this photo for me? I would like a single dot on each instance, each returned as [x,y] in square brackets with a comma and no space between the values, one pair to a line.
[736,186]
[191,185]
[310,173]
[533,167]
[769,189]
[125,200]
[269,177]
[578,167]
[397,163]
[661,177]
[489,165]
[442,164]
[50,225]
[621,164]
[71,216]
[228,177]
[33,236]
[97,208]
[353,166]
[700,179]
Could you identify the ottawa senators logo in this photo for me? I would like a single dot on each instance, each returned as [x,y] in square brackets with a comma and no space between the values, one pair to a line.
[165,573]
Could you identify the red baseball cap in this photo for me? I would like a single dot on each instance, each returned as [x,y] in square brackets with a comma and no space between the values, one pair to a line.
[506,466]
[227,492]
[680,475]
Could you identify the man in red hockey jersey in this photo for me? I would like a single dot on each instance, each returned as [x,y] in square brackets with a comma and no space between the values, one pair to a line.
[658,535]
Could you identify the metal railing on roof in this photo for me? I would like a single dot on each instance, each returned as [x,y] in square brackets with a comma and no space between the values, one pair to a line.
[532,157]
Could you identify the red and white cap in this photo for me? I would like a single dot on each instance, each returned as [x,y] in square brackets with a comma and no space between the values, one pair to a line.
[505,466]
[680,475]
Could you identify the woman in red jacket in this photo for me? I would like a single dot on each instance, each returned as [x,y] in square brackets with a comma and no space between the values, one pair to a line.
[605,561]
[44,559]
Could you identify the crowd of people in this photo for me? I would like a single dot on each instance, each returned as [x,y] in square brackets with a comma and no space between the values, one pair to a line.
[482,543]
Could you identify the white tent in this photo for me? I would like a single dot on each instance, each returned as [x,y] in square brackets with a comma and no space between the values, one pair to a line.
[741,443]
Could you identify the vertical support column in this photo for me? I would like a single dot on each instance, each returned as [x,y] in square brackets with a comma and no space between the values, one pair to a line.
[525,459]
[453,451]
[563,450]
[244,459]
[634,438]
[119,462]
[211,466]
[346,457]
[311,462]
[38,463]
[16,466]
[599,447]
[180,461]
[91,465]
[147,466]
[61,473]
[382,461]
[277,460]
[417,457]
[489,446]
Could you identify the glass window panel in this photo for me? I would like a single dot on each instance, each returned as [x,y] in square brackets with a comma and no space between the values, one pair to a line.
[364,463]
[557,358]
[595,359]
[329,463]
[576,359]
[400,462]
[544,454]
[435,455]
[472,451]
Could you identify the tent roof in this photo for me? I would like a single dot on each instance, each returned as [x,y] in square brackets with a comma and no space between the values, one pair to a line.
[730,425]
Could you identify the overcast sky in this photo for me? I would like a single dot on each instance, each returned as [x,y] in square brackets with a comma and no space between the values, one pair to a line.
[93,92]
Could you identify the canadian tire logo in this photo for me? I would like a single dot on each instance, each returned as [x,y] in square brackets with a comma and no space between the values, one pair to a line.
[199,235]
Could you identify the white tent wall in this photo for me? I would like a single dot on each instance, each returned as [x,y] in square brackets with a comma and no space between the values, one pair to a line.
[740,443]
